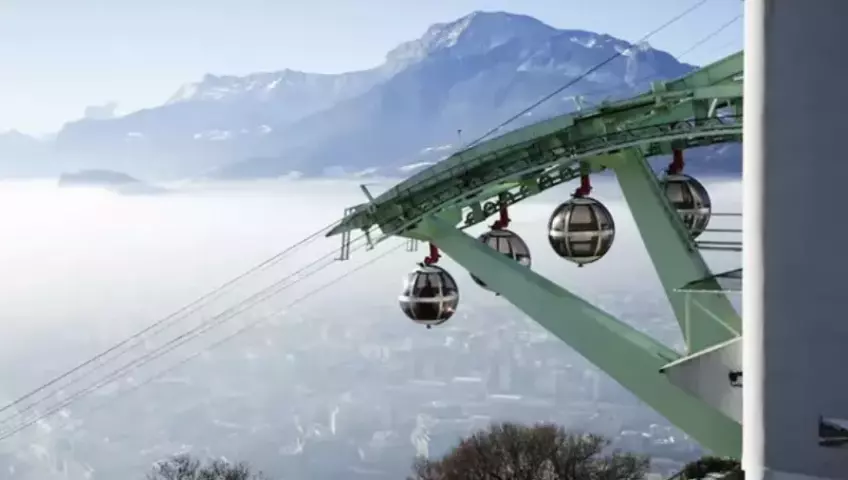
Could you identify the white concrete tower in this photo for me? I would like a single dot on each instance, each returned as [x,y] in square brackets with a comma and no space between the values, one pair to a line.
[795,332]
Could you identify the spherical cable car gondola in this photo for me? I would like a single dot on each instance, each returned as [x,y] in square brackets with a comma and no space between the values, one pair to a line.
[430,294]
[582,229]
[509,244]
[506,242]
[691,201]
[687,196]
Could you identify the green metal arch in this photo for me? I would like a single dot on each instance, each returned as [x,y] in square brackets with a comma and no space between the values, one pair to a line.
[683,113]
[702,108]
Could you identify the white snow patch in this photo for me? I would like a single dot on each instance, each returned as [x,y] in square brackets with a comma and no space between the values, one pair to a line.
[586,42]
[201,91]
[626,52]
[452,36]
[633,49]
[273,84]
[186,92]
[633,68]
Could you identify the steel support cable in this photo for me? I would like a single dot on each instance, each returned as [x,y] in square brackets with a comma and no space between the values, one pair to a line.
[697,44]
[219,319]
[580,77]
[168,320]
[269,261]
[711,35]
[245,328]
[407,224]
[205,326]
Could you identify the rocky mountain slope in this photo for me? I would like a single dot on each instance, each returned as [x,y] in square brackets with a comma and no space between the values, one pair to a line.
[453,83]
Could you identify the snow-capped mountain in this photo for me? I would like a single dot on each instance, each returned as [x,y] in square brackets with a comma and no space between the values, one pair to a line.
[458,78]
[467,75]
[474,34]
[303,93]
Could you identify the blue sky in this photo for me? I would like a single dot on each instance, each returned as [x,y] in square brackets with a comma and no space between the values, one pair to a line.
[59,56]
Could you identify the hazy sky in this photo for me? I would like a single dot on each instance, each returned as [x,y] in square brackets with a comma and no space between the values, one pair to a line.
[59,56]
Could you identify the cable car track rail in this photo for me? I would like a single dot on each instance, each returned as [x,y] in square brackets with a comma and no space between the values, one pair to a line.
[593,69]
[681,112]
[698,89]
[670,212]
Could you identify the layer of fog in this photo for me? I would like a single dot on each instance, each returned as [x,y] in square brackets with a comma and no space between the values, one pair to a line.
[75,258]
[84,268]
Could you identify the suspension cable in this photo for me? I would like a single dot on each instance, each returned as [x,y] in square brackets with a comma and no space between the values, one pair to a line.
[245,328]
[710,35]
[170,319]
[697,44]
[228,314]
[580,77]
[194,306]
[407,224]
[207,325]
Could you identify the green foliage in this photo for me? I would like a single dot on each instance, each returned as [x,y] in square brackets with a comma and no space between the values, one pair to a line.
[184,467]
[509,451]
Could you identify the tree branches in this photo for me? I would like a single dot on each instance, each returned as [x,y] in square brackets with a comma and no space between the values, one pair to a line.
[509,451]
[184,467]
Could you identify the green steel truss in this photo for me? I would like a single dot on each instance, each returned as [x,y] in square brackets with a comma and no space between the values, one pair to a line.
[534,158]
[704,108]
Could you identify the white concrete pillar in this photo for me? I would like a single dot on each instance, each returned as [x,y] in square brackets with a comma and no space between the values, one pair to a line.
[795,360]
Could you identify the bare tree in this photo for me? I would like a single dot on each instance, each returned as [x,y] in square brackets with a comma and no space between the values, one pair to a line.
[509,451]
[184,467]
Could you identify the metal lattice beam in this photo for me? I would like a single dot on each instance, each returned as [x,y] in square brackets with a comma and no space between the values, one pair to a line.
[684,112]
[696,392]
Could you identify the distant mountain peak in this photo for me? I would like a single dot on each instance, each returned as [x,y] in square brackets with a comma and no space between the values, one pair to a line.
[218,87]
[488,25]
[268,86]
[14,133]
[462,74]
[14,136]
[473,34]
[477,33]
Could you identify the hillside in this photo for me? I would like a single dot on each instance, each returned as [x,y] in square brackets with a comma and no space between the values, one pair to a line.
[454,82]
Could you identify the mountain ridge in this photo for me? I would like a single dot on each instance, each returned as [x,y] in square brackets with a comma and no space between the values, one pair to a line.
[464,75]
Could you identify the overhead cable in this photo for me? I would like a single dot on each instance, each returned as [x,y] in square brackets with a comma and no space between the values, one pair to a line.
[157,375]
[580,77]
[172,318]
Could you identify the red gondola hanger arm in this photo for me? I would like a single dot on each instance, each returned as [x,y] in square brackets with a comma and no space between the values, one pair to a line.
[503,220]
[677,163]
[585,187]
[433,257]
